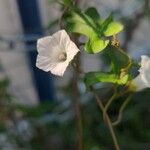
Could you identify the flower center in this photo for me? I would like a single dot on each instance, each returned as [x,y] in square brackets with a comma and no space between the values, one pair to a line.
[62,56]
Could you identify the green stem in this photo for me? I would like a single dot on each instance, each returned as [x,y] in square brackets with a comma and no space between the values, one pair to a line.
[109,124]
[75,90]
[60,21]
[77,105]
[123,106]
[109,103]
[122,93]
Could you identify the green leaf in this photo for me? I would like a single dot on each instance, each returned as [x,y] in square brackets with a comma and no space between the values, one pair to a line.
[93,13]
[67,2]
[108,27]
[92,78]
[113,28]
[84,24]
[62,2]
[104,24]
[119,59]
[81,24]
[96,45]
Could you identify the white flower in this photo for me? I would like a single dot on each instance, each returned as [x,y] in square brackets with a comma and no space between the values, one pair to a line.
[55,52]
[142,81]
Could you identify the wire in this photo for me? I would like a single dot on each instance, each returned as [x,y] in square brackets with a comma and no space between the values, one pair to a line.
[13,41]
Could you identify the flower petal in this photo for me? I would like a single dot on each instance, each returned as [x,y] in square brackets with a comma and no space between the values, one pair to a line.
[60,68]
[44,63]
[145,69]
[65,39]
[71,51]
[143,79]
[144,60]
[43,45]
[61,38]
[139,84]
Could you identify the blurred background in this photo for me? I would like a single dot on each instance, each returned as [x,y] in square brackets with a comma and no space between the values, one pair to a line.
[36,110]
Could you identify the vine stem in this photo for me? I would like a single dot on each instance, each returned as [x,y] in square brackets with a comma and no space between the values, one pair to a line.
[75,90]
[125,103]
[108,104]
[109,124]
[60,21]
[77,105]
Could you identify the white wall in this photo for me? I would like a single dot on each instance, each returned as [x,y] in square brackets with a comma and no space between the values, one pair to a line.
[15,63]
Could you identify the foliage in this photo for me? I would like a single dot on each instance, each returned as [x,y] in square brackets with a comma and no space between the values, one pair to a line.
[91,25]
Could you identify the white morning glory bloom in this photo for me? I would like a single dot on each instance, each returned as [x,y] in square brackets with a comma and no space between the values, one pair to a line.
[142,81]
[55,52]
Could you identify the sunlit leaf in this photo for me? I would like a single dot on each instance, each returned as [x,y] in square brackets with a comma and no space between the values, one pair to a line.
[96,45]
[113,28]
[104,24]
[83,25]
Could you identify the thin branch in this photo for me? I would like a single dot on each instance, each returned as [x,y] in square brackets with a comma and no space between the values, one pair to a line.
[106,107]
[122,93]
[123,106]
[76,97]
[60,21]
[75,90]
[109,124]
